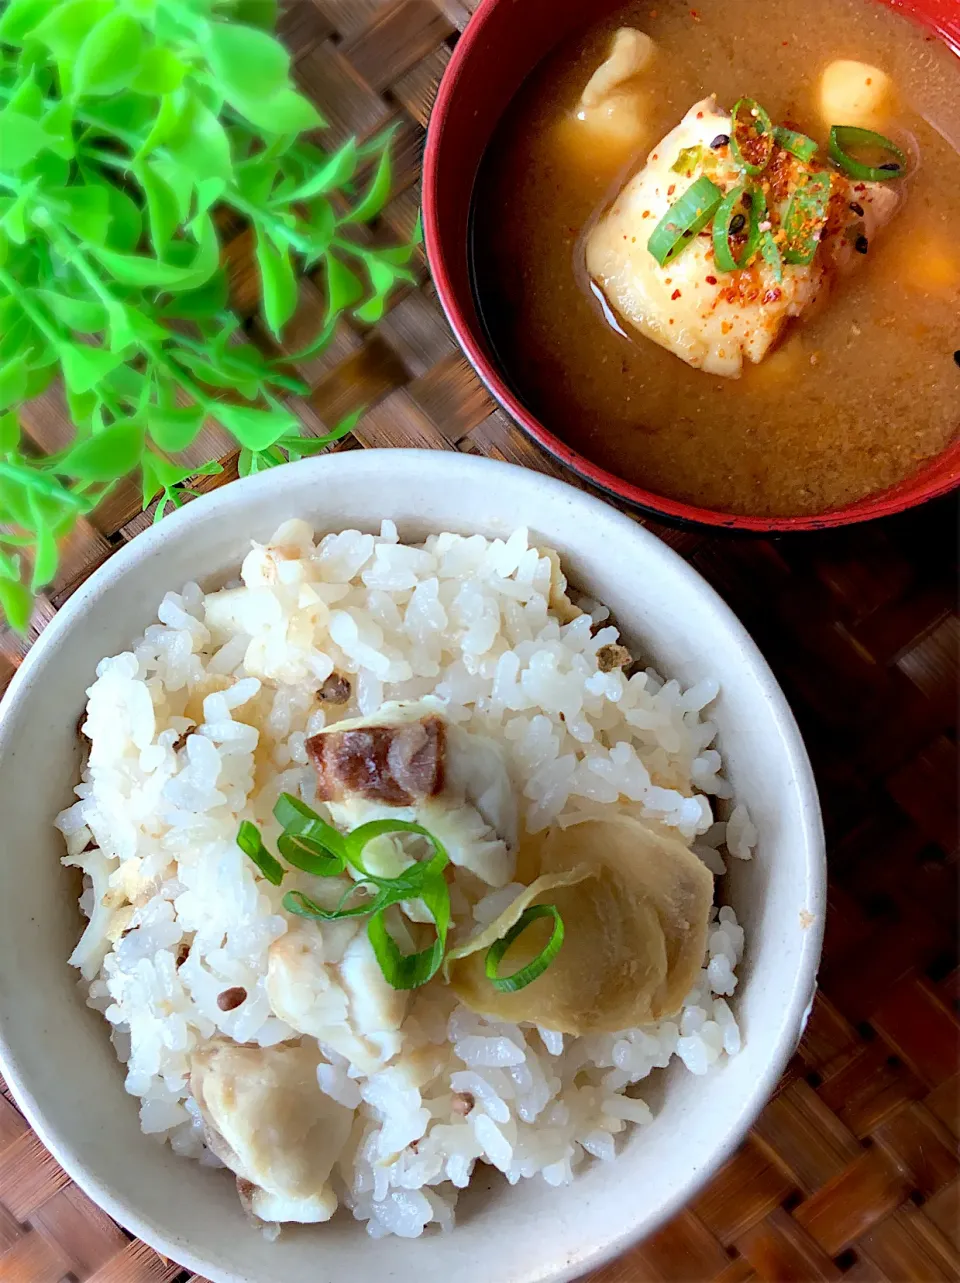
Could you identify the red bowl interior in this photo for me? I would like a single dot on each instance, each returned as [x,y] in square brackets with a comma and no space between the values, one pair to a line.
[500,47]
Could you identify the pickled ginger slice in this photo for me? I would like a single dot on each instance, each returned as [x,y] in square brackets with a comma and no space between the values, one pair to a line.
[716,320]
[635,932]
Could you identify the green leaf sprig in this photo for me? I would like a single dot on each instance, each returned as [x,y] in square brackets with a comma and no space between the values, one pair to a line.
[129,132]
[310,844]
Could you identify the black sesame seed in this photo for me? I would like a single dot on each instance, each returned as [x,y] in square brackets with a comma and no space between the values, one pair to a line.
[746,200]
[857,209]
[737,223]
[721,140]
[861,245]
[956,356]
[891,167]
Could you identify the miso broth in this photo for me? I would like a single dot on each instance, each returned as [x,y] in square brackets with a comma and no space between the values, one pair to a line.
[854,397]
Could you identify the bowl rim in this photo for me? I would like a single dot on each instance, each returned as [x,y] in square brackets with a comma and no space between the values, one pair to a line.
[938,17]
[243,494]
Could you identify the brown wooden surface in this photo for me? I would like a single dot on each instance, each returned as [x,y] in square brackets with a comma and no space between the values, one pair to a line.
[852,1170]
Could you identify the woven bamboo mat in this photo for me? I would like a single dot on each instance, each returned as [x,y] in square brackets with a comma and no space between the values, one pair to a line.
[852,1170]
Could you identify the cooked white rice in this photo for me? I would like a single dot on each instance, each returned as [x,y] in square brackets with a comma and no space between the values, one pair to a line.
[192,731]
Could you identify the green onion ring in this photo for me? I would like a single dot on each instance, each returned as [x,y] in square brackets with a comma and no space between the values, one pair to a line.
[685,217]
[250,843]
[410,970]
[300,904]
[298,820]
[756,116]
[805,219]
[311,857]
[355,842]
[723,255]
[798,145]
[842,137]
[770,252]
[536,966]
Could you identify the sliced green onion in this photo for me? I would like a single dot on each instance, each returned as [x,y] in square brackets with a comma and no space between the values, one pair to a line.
[749,123]
[410,970]
[843,137]
[798,145]
[536,966]
[687,161]
[302,905]
[299,820]
[723,255]
[250,843]
[356,841]
[685,217]
[805,219]
[312,857]
[770,252]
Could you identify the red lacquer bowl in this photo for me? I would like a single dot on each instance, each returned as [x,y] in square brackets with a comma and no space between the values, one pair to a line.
[501,46]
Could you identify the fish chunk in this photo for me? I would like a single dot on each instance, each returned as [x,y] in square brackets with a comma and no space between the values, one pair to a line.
[268,1121]
[397,763]
[348,1005]
[713,320]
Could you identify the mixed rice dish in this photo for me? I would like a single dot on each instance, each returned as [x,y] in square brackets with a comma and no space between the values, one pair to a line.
[396,860]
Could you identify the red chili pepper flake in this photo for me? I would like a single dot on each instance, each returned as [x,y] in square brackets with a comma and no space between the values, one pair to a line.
[675,294]
[671,320]
[671,189]
[711,280]
[646,213]
[654,156]
[694,15]
[772,296]
[726,327]
[699,115]
[869,80]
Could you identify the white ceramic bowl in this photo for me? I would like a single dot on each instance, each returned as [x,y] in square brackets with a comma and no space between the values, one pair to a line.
[55,1052]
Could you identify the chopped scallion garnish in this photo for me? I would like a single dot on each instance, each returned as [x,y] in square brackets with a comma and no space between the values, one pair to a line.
[309,856]
[410,970]
[356,841]
[304,907]
[536,966]
[751,136]
[687,161]
[685,217]
[845,137]
[310,844]
[250,843]
[744,201]
[770,252]
[798,145]
[805,219]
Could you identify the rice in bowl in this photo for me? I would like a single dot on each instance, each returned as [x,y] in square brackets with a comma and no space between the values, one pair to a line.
[207,721]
